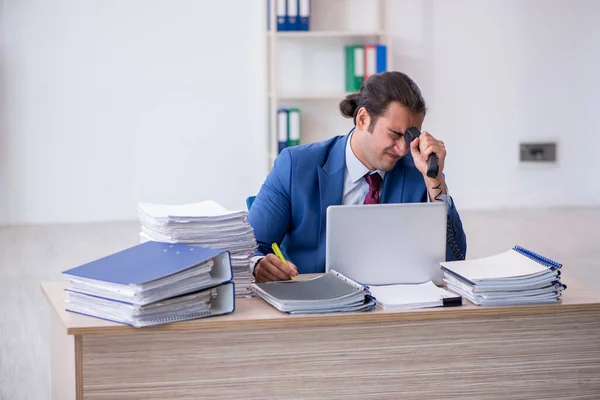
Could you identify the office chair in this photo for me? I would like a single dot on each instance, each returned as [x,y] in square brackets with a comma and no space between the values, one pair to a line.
[249,201]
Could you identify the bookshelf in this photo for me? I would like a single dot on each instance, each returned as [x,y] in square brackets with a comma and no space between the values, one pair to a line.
[324,34]
[306,69]
[309,96]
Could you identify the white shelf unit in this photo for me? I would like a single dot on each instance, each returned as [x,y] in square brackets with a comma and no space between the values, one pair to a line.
[309,96]
[333,24]
[324,34]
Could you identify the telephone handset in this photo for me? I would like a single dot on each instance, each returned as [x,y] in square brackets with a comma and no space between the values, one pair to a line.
[432,164]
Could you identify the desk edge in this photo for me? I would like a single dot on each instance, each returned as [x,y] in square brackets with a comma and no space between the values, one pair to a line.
[217,322]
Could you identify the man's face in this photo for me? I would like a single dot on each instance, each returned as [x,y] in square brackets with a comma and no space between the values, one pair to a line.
[382,147]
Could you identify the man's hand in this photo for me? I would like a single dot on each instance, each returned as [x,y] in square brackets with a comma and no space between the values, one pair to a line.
[271,268]
[421,149]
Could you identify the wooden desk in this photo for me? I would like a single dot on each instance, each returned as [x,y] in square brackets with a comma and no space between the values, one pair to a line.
[525,352]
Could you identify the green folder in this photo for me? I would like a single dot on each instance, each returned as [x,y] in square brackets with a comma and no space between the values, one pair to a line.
[294,127]
[355,67]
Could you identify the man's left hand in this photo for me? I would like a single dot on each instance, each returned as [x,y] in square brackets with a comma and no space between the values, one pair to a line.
[422,148]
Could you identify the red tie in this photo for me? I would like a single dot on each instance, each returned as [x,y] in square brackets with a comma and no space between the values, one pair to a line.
[373,196]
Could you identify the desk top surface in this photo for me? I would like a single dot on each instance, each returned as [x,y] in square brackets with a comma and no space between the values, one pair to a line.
[255,312]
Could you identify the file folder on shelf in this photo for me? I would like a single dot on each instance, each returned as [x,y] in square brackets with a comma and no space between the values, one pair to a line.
[290,15]
[375,59]
[289,128]
[218,300]
[282,129]
[292,20]
[152,271]
[281,15]
[516,276]
[294,127]
[304,15]
[355,62]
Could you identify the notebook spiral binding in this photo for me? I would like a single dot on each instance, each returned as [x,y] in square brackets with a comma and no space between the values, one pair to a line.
[180,317]
[553,265]
[559,285]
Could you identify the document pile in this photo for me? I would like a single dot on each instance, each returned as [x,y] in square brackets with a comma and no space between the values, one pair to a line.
[205,224]
[514,277]
[153,283]
[412,296]
[327,293]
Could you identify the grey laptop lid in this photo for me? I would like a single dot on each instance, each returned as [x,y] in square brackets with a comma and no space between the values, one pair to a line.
[383,244]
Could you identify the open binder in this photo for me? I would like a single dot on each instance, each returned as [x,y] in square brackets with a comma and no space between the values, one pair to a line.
[517,276]
[153,282]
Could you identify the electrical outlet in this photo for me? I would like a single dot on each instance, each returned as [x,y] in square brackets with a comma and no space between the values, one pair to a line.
[538,152]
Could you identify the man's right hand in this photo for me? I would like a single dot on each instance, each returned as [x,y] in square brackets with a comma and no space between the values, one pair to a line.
[271,268]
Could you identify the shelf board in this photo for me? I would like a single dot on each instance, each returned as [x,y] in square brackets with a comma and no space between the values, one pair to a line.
[311,96]
[325,34]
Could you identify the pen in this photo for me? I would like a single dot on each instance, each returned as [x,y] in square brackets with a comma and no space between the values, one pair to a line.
[279,255]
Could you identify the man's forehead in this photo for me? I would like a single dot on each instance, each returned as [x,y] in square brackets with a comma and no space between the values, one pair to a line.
[402,118]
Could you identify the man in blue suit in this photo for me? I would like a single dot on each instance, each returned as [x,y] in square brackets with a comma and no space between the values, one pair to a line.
[372,164]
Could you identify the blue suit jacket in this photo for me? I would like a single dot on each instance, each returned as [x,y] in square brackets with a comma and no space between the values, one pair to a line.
[291,206]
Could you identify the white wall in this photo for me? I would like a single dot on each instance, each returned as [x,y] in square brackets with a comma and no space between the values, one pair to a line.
[3,132]
[498,72]
[112,102]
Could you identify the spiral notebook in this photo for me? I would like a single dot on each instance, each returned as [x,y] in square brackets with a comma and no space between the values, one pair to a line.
[517,264]
[516,276]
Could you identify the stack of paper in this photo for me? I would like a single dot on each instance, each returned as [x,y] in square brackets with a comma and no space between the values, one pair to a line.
[206,224]
[517,276]
[153,283]
[411,296]
[327,293]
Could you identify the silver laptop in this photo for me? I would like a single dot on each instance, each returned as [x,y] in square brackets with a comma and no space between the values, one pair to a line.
[382,244]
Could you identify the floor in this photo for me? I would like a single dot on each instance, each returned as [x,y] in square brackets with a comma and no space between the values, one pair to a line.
[31,255]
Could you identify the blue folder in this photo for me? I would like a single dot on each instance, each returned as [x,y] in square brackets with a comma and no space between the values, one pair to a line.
[304,15]
[150,261]
[381,58]
[281,15]
[283,129]
[292,17]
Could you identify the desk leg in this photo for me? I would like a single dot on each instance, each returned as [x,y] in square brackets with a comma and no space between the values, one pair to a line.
[66,377]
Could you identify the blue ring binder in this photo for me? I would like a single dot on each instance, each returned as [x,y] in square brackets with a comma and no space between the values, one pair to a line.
[537,258]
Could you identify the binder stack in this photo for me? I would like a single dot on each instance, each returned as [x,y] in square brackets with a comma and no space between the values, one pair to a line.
[514,277]
[153,283]
[290,15]
[289,127]
[363,61]
[206,224]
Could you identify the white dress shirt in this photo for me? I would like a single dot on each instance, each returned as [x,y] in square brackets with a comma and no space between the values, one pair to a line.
[356,186]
